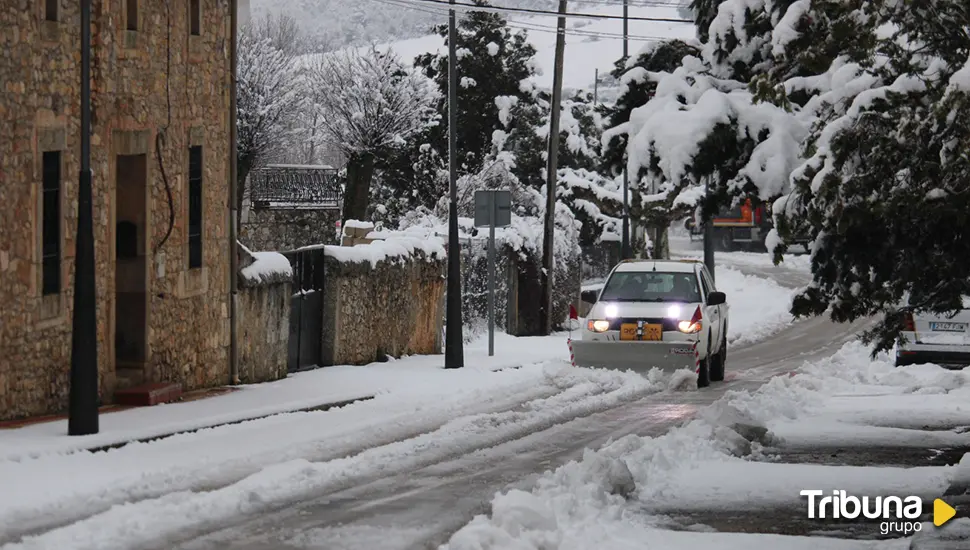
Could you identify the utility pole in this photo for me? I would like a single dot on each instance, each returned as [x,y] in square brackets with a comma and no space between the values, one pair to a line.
[626,252]
[709,231]
[551,172]
[454,354]
[233,194]
[596,88]
[83,400]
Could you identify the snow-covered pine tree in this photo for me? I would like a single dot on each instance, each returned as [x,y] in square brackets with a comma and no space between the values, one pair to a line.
[522,144]
[886,189]
[415,176]
[636,90]
[493,61]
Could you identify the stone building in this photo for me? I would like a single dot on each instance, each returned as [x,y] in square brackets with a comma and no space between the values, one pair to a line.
[160,157]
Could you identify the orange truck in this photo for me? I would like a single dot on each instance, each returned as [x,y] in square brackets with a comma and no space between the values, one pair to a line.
[743,227]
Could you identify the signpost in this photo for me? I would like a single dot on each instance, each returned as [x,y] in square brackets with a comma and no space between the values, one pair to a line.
[492,209]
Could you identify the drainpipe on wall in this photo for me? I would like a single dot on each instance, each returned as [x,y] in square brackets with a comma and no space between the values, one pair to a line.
[233,186]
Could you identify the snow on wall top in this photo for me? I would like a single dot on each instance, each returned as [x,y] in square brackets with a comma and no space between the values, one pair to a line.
[265,268]
[357,224]
[396,248]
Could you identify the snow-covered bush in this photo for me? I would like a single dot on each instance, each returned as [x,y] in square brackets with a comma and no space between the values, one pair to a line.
[520,245]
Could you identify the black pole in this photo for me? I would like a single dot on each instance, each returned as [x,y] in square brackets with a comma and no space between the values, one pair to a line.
[549,233]
[709,233]
[454,355]
[83,407]
[627,253]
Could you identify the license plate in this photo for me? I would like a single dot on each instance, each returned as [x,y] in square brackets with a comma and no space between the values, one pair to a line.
[948,327]
[651,333]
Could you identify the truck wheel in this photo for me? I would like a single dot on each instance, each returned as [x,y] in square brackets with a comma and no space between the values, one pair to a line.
[724,241]
[704,376]
[717,365]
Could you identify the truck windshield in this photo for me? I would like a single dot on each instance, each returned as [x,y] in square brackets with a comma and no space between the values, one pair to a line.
[651,286]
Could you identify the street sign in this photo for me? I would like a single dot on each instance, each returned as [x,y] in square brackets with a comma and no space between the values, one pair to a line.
[492,209]
[484,200]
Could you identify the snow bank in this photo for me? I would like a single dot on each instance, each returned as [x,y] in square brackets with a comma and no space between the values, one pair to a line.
[759,307]
[706,464]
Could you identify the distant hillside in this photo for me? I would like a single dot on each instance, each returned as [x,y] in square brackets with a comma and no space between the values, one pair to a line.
[338,23]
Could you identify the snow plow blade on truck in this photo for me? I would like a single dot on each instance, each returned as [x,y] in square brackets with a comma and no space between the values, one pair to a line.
[639,357]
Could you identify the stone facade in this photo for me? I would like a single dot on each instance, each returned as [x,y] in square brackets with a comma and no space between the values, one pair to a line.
[288,229]
[263,325]
[391,309]
[157,90]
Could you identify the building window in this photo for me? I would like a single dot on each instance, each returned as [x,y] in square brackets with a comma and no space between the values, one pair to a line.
[195,17]
[51,9]
[51,224]
[195,207]
[132,15]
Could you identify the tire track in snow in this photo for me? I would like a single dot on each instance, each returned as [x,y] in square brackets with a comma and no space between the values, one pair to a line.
[228,455]
[181,514]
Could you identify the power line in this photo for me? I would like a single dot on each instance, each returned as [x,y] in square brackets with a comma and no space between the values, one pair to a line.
[529,26]
[636,3]
[530,11]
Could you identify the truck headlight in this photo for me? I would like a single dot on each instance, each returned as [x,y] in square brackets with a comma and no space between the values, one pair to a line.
[689,327]
[598,325]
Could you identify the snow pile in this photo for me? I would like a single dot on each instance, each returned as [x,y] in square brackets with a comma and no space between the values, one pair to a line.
[848,399]
[394,248]
[265,267]
[706,464]
[759,307]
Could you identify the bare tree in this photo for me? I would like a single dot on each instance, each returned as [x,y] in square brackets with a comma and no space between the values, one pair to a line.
[266,96]
[369,104]
[282,32]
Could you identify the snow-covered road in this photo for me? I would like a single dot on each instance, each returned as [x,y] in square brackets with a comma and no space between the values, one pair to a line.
[409,472]
[420,508]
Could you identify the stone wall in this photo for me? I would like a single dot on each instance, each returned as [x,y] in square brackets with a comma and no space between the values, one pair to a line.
[382,299]
[288,229]
[263,310]
[136,97]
